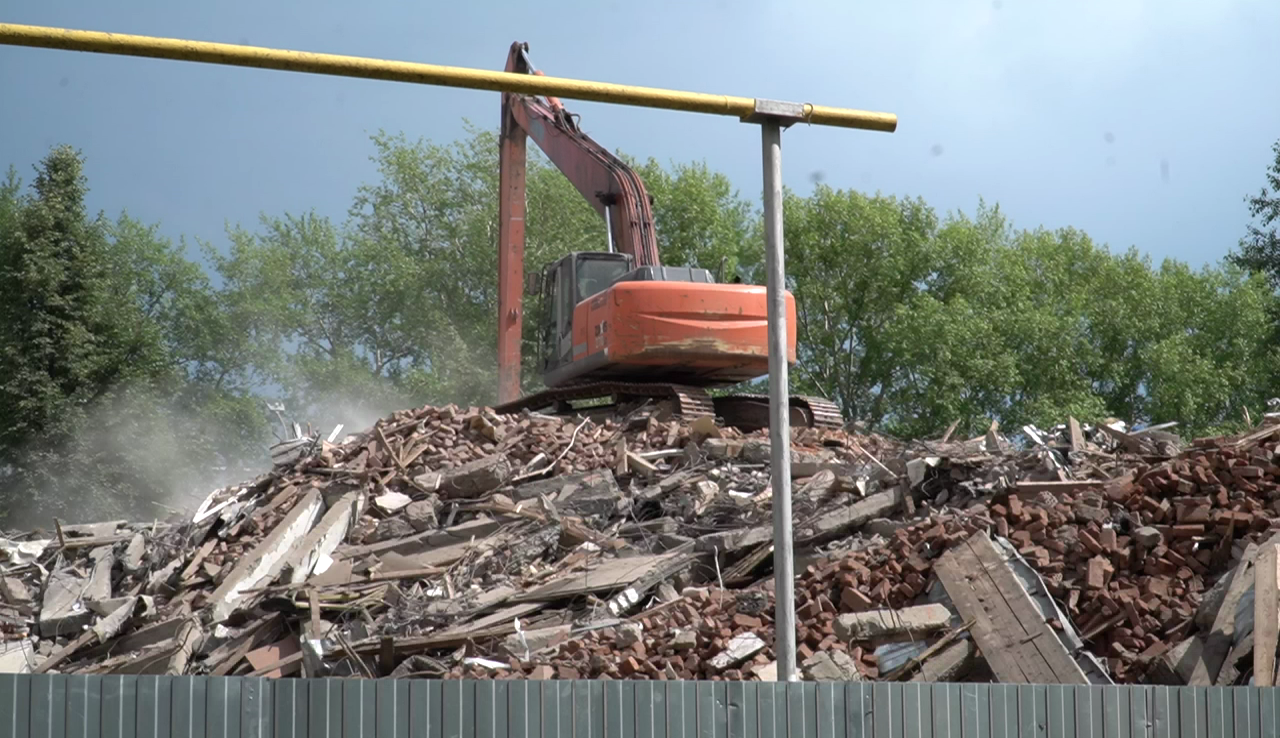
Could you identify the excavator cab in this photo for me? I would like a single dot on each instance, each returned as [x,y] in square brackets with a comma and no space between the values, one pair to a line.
[566,283]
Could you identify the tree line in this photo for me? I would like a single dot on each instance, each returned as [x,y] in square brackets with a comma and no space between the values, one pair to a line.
[136,371]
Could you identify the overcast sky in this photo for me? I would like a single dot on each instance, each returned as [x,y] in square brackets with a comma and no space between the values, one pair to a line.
[1141,122]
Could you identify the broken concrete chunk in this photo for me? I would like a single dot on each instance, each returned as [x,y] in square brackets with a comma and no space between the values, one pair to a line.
[908,621]
[421,515]
[1148,537]
[841,519]
[99,585]
[18,657]
[475,478]
[14,591]
[319,545]
[735,540]
[740,648]
[264,562]
[630,634]
[390,502]
[62,611]
[951,664]
[586,501]
[685,640]
[131,562]
[109,626]
[830,666]
[524,643]
[391,529]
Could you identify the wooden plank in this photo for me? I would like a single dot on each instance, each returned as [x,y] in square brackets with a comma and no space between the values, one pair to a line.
[1070,486]
[951,570]
[606,575]
[1028,615]
[1077,435]
[1218,643]
[1013,634]
[1266,616]
[1007,626]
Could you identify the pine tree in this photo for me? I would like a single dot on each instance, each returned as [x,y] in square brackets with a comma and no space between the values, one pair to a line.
[71,345]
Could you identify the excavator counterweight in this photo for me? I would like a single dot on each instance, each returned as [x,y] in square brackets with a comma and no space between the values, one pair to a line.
[616,326]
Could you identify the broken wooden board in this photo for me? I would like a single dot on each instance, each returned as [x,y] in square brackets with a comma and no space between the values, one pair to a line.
[482,624]
[425,541]
[1266,616]
[841,520]
[951,663]
[274,654]
[1218,642]
[140,639]
[608,575]
[1029,490]
[1007,626]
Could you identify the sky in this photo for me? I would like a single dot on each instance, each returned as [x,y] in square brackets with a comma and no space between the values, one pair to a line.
[1142,122]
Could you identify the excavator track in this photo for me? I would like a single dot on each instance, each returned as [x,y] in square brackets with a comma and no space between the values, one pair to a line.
[688,402]
[751,412]
[747,412]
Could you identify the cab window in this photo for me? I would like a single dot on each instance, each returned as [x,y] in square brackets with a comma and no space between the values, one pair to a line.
[595,275]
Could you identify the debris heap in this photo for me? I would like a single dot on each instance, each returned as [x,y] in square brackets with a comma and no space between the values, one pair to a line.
[450,542]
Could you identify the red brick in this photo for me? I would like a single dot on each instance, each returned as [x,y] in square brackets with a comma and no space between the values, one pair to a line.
[1096,575]
[855,600]
[542,672]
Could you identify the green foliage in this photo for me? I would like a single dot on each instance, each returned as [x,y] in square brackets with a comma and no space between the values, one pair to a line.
[911,321]
[97,397]
[701,219]
[1260,248]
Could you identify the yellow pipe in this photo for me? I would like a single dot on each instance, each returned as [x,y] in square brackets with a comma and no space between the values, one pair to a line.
[13,34]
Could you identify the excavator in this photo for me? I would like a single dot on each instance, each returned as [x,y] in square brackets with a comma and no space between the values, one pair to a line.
[617,326]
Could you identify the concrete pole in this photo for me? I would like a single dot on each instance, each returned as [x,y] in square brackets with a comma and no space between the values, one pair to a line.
[779,405]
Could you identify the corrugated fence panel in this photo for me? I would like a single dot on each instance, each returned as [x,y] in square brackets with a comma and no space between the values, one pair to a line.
[54,706]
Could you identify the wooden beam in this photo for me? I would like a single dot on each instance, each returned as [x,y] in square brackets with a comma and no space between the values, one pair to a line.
[1266,619]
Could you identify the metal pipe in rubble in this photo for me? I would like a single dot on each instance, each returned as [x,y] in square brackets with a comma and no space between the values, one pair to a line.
[784,579]
[13,34]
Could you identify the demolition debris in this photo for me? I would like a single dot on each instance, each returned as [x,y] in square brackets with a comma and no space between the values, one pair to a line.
[450,542]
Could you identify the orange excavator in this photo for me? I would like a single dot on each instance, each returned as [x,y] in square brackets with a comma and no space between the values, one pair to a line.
[616,325]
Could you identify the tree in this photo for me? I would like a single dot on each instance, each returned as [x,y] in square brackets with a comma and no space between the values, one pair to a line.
[71,343]
[700,219]
[911,321]
[1260,248]
[100,412]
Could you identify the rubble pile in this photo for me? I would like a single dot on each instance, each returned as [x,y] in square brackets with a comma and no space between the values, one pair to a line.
[450,542]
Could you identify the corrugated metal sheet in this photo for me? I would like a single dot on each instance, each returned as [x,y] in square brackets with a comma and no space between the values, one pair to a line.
[199,707]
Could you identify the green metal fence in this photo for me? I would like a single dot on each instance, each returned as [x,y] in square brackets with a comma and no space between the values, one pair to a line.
[54,706]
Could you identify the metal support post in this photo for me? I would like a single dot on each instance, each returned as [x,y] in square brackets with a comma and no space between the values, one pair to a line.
[784,574]
[772,117]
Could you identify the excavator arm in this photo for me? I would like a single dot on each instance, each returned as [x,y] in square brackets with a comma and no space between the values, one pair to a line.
[612,188]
